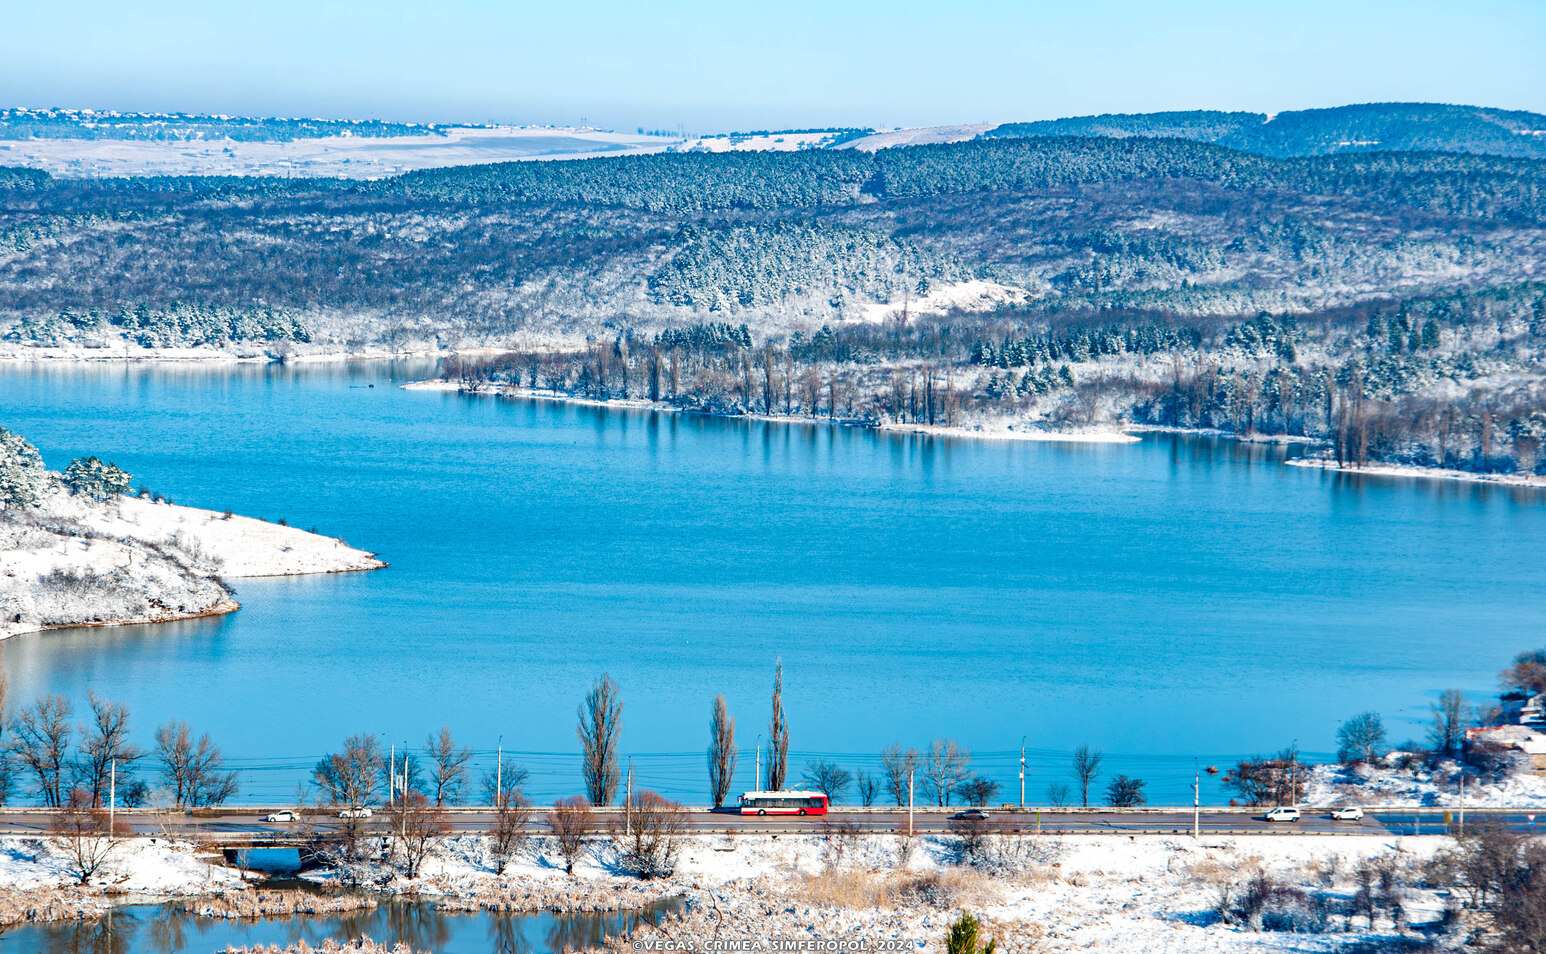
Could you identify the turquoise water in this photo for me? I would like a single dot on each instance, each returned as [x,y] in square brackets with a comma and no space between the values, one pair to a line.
[1173,602]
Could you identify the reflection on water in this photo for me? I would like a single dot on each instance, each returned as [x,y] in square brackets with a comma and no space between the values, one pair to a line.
[161,929]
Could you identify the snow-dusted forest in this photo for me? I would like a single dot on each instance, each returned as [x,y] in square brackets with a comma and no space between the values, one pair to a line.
[1387,303]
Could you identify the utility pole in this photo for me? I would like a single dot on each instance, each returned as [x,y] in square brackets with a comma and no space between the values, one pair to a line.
[1293,781]
[910,803]
[112,794]
[628,801]
[1197,805]
[757,782]
[1462,799]
[1022,773]
[499,773]
[391,774]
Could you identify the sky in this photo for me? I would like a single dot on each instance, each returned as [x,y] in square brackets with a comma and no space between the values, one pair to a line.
[788,64]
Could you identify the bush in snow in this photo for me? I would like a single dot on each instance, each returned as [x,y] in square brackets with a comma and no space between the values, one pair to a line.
[22,477]
[95,478]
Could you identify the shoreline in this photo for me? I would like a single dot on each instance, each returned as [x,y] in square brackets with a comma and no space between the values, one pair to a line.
[125,534]
[219,609]
[1410,471]
[971,432]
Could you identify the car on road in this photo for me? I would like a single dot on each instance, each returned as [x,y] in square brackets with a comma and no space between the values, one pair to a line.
[1347,814]
[282,816]
[1284,814]
[971,814]
[355,813]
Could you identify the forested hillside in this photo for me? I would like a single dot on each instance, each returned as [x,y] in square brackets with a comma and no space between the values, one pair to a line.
[1389,301]
[107,124]
[1369,127]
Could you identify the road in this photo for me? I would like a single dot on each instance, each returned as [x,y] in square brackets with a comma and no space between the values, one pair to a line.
[235,826]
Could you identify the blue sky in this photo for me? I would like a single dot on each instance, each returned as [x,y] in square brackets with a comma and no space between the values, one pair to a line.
[783,64]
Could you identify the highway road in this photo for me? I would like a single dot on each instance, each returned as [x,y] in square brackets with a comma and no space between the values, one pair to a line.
[234,826]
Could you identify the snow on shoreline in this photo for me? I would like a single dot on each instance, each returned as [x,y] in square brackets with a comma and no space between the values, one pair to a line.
[1409,470]
[132,560]
[248,547]
[1112,893]
[996,430]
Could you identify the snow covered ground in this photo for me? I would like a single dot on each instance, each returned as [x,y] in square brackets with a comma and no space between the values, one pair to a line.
[918,136]
[79,562]
[1430,473]
[1423,787]
[1104,893]
[1101,893]
[352,157]
[974,295]
[137,865]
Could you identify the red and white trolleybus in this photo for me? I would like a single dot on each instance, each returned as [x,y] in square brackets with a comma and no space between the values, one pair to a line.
[783,803]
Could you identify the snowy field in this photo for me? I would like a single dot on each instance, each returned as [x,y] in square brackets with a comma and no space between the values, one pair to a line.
[349,157]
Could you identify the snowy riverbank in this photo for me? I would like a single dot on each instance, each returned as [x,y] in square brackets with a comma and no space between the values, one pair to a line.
[1105,892]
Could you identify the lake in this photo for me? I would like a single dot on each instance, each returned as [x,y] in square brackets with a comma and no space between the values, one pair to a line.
[1176,602]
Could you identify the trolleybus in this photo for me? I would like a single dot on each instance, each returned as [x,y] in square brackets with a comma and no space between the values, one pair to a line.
[783,803]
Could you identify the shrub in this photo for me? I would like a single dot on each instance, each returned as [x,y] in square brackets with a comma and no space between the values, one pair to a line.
[92,477]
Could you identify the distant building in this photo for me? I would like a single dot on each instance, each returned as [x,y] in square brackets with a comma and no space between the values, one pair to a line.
[1533,712]
[1519,737]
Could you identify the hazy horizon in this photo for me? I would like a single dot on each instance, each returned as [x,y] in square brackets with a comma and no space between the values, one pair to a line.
[802,65]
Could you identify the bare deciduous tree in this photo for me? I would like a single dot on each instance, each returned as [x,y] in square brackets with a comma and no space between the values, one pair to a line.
[1057,795]
[1124,792]
[570,822]
[648,834]
[507,832]
[503,781]
[193,771]
[978,790]
[945,765]
[1527,674]
[1447,733]
[40,743]
[1361,738]
[448,765]
[601,718]
[87,836]
[868,787]
[898,767]
[722,754]
[104,741]
[778,733]
[351,778]
[417,827]
[828,778]
[1085,770]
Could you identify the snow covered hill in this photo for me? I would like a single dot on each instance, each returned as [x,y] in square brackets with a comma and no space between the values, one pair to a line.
[73,559]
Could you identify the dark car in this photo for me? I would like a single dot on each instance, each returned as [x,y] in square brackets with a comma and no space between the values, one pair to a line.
[971,814]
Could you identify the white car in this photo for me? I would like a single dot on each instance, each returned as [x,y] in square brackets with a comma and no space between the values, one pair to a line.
[1283,815]
[282,816]
[1348,814]
[355,813]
